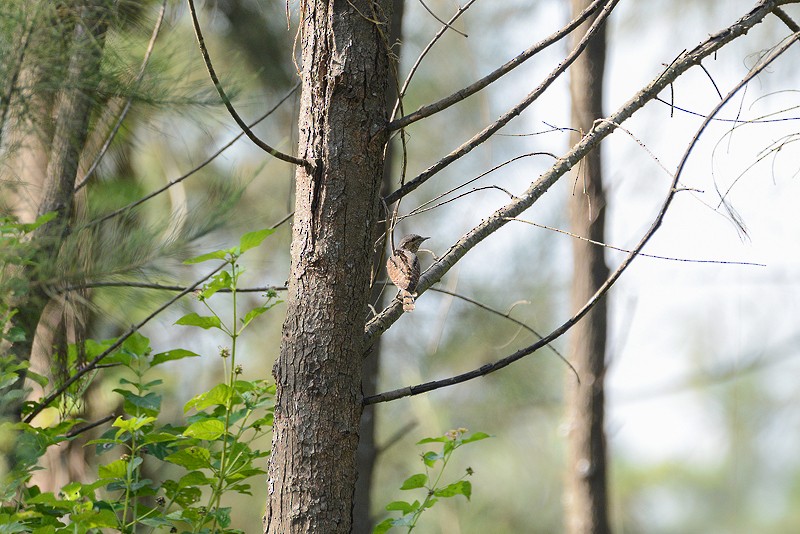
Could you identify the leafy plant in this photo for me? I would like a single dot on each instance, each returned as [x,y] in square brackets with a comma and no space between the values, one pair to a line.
[431,480]
[211,453]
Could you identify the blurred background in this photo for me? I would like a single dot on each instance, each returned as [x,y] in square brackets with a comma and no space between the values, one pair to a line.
[703,404]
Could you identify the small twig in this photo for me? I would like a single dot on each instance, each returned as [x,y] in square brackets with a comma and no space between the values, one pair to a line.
[118,124]
[420,208]
[487,132]
[712,80]
[440,20]
[507,315]
[225,100]
[486,228]
[114,346]
[627,251]
[197,168]
[430,109]
[656,224]
[424,52]
[162,287]
[737,120]
[76,431]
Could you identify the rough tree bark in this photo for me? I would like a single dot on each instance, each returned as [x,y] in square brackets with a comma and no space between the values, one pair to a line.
[367,447]
[312,469]
[585,486]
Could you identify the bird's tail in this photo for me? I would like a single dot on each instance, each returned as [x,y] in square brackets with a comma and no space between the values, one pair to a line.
[408,300]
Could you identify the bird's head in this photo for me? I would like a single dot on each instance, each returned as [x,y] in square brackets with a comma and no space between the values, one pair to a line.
[411,242]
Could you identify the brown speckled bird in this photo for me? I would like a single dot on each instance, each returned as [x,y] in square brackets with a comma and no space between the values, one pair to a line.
[403,269]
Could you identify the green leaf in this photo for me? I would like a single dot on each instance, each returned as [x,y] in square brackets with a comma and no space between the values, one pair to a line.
[477,436]
[192,319]
[170,355]
[221,280]
[255,312]
[44,219]
[401,506]
[217,396]
[159,437]
[15,334]
[216,255]
[116,469]
[415,481]
[383,526]
[462,487]
[36,377]
[136,344]
[441,439]
[431,457]
[191,458]
[209,430]
[253,239]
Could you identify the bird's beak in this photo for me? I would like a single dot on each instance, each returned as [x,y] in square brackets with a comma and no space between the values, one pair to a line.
[424,239]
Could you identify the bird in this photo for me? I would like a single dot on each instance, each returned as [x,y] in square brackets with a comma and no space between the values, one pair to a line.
[403,269]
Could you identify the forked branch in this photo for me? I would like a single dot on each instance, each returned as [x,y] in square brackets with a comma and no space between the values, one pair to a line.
[499,364]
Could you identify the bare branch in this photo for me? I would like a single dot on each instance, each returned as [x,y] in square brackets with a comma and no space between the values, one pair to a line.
[424,53]
[245,128]
[44,403]
[786,19]
[76,431]
[430,109]
[507,315]
[627,251]
[446,24]
[487,132]
[602,129]
[489,368]
[181,178]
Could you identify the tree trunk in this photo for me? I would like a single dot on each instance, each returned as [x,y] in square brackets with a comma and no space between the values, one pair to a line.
[367,447]
[72,112]
[312,468]
[586,506]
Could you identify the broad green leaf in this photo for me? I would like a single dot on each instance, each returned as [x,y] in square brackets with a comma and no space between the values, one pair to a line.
[191,458]
[255,312]
[462,487]
[217,396]
[216,255]
[36,377]
[440,439]
[415,481]
[401,506]
[221,280]
[160,437]
[253,239]
[137,344]
[15,334]
[192,319]
[383,526]
[477,436]
[170,355]
[116,469]
[430,458]
[44,219]
[209,430]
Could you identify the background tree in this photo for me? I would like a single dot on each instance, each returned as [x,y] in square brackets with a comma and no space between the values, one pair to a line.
[342,137]
[586,487]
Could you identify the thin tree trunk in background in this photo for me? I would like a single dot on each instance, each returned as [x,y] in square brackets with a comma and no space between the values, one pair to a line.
[367,451]
[312,469]
[585,499]
[72,113]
